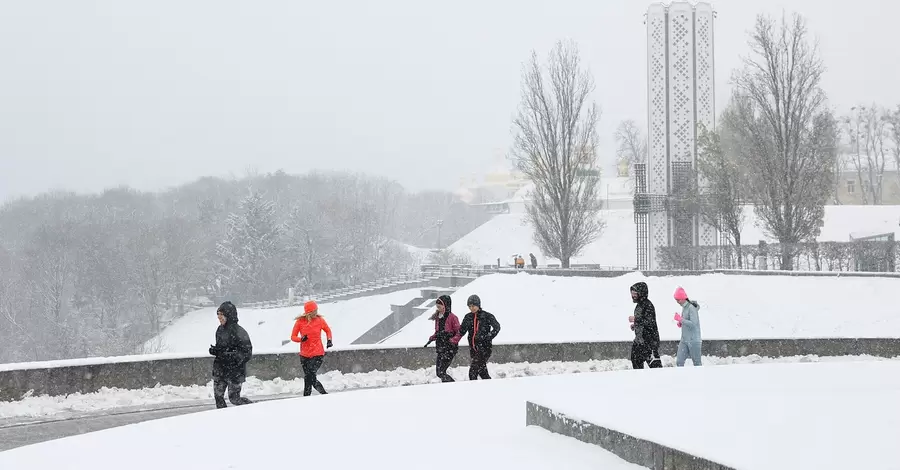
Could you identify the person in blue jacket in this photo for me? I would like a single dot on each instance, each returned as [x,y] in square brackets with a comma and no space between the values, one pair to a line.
[689,322]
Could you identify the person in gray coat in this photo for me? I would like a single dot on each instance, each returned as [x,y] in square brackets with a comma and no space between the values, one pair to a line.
[689,322]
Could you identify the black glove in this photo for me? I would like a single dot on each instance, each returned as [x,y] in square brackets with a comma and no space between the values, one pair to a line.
[303,338]
[329,344]
[214,351]
[428,343]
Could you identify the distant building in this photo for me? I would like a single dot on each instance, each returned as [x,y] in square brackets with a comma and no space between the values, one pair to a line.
[850,191]
[498,183]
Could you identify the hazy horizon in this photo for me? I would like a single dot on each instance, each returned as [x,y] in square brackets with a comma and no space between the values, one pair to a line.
[153,95]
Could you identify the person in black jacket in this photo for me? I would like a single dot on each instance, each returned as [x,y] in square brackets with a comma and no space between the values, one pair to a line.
[232,350]
[482,328]
[645,347]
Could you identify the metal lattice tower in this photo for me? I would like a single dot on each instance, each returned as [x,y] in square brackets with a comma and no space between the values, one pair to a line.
[681,95]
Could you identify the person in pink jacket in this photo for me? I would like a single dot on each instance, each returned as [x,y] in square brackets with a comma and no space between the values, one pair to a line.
[446,336]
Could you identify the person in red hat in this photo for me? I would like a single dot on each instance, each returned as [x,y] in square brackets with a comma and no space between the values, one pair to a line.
[308,328]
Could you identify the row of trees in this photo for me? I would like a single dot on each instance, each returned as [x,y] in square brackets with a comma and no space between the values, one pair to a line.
[776,145]
[870,148]
[100,274]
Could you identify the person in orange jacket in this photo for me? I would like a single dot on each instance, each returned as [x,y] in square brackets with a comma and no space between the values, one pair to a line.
[308,329]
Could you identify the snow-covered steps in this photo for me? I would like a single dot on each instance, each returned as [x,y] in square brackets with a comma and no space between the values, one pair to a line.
[401,315]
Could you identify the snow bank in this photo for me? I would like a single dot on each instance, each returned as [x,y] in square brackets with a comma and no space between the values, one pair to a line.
[113,398]
[507,234]
[534,308]
[349,319]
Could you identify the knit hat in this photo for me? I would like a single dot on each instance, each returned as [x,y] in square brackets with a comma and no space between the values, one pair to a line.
[680,294]
[310,307]
[474,300]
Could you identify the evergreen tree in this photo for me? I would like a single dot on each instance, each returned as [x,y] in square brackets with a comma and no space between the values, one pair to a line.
[246,253]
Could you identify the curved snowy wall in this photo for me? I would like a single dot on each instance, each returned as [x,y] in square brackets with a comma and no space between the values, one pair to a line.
[89,375]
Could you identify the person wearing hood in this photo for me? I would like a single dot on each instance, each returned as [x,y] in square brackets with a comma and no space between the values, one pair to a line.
[645,347]
[482,328]
[308,328]
[689,322]
[232,350]
[447,336]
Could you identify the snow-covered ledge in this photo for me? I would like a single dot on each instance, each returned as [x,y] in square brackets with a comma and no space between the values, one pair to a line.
[645,453]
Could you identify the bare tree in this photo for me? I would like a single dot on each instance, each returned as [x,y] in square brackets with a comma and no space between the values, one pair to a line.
[893,118]
[555,147]
[785,131]
[632,145]
[726,187]
[866,129]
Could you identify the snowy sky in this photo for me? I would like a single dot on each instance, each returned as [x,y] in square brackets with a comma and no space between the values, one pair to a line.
[95,94]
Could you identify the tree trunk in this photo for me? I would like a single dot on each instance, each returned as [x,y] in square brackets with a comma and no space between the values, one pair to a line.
[740,254]
[787,258]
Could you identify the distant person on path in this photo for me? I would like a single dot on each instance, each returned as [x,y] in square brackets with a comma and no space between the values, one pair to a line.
[533,260]
[689,322]
[447,336]
[482,328]
[645,347]
[232,350]
[520,262]
[308,328]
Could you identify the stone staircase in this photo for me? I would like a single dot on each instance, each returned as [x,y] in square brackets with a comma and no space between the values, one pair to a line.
[402,315]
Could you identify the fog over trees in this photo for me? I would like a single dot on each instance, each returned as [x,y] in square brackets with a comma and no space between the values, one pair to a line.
[95,275]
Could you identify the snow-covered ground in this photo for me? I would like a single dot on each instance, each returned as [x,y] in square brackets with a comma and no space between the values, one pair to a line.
[348,319]
[508,234]
[534,308]
[823,416]
[505,235]
[772,417]
[111,398]
[594,309]
[467,424]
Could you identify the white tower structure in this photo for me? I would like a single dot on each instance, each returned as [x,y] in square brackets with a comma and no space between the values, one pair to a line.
[681,95]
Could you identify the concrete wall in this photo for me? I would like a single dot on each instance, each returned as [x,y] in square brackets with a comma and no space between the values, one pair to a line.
[86,377]
[641,452]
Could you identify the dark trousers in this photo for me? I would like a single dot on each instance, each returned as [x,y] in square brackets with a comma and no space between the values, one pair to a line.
[442,363]
[478,368]
[641,353]
[234,393]
[310,367]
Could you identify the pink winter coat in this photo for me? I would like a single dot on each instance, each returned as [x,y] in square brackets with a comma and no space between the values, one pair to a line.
[451,326]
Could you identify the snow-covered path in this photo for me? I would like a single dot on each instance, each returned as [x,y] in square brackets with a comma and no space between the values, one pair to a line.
[78,405]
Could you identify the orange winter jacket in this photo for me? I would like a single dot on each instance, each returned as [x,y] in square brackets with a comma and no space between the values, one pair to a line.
[312,329]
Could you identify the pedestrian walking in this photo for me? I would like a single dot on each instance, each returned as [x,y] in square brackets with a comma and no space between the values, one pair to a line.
[645,347]
[688,320]
[482,327]
[446,335]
